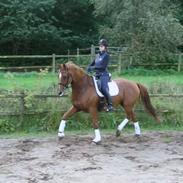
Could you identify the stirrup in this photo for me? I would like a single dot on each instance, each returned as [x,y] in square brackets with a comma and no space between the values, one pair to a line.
[110,109]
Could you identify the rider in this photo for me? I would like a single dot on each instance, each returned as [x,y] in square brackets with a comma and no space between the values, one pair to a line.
[99,65]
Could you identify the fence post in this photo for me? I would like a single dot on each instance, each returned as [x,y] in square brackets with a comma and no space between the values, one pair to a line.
[68,55]
[92,52]
[77,55]
[119,62]
[22,106]
[53,63]
[179,63]
[131,60]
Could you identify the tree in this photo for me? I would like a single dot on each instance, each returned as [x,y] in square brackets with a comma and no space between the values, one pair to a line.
[77,17]
[22,22]
[45,26]
[150,29]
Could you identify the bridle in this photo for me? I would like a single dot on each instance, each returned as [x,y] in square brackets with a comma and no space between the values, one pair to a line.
[64,85]
[65,82]
[69,81]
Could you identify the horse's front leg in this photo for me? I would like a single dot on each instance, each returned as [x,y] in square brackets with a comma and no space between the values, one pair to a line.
[94,115]
[66,115]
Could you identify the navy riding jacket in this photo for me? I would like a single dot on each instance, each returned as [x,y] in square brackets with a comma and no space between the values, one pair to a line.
[99,65]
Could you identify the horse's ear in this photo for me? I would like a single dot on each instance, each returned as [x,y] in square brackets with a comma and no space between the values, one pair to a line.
[60,66]
[65,67]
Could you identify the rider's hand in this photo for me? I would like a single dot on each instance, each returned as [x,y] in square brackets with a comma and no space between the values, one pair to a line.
[90,69]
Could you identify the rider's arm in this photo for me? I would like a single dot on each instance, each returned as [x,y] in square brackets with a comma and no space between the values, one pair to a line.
[91,66]
[104,63]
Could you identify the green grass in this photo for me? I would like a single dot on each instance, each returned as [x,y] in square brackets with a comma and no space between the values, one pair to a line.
[148,77]
[30,81]
[174,79]
[33,81]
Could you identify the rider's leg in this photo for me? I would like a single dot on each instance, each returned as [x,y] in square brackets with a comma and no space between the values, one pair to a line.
[105,91]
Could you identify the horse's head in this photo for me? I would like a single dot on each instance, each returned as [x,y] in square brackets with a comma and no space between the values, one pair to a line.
[65,78]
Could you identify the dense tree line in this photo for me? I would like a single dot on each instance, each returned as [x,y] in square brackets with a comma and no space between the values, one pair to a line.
[152,30]
[45,26]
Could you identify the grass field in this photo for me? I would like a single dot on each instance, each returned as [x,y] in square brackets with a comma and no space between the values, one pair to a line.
[30,81]
[34,81]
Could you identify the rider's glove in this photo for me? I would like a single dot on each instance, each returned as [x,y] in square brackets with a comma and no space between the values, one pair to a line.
[90,68]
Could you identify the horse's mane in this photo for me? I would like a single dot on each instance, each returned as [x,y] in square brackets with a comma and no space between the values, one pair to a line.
[71,65]
[80,71]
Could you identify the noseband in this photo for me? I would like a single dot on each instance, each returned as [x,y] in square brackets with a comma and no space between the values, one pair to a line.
[64,85]
[69,80]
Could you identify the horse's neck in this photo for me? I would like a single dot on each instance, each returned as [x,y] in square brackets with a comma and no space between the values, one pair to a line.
[81,84]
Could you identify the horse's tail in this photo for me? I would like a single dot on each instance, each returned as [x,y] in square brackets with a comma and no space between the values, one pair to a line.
[147,102]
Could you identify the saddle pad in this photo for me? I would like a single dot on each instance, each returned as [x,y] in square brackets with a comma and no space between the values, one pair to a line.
[113,88]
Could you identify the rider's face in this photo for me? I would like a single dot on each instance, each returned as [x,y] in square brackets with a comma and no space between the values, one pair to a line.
[102,48]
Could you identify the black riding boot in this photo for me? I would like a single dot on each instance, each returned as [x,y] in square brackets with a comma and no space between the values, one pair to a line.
[109,102]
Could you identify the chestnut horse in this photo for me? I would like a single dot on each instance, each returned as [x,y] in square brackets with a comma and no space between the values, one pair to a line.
[85,98]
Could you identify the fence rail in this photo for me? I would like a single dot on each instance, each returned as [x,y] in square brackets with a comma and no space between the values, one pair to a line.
[22,110]
[52,65]
[118,52]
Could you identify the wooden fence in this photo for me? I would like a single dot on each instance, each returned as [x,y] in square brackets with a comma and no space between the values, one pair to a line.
[117,52]
[52,58]
[22,108]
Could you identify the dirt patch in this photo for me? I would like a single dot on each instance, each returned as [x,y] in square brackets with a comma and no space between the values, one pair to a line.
[155,157]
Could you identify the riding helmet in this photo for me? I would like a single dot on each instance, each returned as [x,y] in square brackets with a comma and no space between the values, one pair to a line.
[103,42]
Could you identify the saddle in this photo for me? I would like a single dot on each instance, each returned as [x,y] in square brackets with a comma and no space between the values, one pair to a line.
[113,88]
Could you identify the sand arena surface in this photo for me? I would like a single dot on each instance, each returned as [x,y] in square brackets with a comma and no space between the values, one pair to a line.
[156,157]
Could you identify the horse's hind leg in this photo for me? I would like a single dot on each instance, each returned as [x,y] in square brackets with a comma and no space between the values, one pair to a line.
[137,129]
[121,126]
[130,116]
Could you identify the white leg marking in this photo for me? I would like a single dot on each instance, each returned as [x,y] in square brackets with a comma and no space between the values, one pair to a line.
[97,136]
[61,128]
[137,128]
[123,124]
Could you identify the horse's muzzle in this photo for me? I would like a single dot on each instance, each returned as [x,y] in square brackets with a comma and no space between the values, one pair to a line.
[61,94]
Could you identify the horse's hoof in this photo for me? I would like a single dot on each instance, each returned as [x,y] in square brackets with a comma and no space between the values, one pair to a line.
[60,138]
[96,143]
[118,132]
[137,135]
[60,135]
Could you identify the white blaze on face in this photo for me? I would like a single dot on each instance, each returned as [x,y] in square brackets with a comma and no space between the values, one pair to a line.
[60,75]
